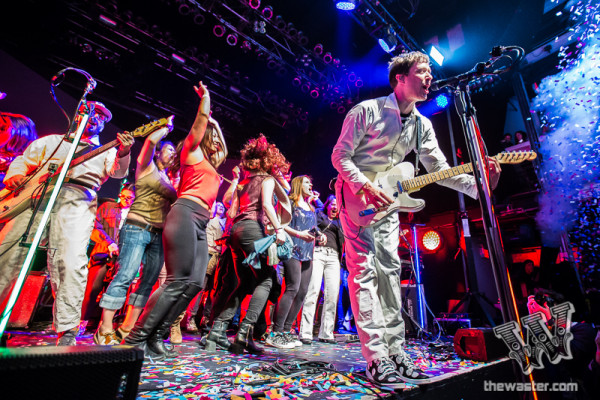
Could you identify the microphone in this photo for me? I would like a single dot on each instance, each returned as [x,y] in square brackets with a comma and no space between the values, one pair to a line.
[453,81]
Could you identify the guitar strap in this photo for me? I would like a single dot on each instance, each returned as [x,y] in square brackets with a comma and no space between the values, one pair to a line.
[419,125]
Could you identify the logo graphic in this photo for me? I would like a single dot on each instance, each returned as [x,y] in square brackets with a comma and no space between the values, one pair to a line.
[539,339]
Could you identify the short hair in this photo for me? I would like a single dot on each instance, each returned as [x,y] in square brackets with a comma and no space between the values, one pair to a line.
[402,64]
[329,200]
[159,147]
[128,186]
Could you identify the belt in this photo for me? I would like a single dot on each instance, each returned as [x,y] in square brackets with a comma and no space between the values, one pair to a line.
[82,183]
[148,227]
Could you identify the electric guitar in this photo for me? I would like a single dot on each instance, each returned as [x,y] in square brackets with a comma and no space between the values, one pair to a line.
[14,202]
[399,182]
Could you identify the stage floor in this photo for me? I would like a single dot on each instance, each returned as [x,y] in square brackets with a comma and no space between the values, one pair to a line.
[199,374]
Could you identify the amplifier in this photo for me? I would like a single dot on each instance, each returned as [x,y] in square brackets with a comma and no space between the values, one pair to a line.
[28,300]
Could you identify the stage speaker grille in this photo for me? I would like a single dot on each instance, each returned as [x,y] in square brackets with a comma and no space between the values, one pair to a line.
[71,372]
[479,344]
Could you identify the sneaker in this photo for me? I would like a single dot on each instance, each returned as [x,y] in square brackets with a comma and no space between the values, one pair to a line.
[329,341]
[306,341]
[276,339]
[122,333]
[67,338]
[409,372]
[106,339]
[293,339]
[382,372]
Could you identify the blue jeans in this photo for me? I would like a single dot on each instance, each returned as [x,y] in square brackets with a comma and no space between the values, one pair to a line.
[136,246]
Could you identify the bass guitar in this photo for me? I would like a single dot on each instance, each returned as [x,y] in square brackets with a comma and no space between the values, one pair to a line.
[399,182]
[14,202]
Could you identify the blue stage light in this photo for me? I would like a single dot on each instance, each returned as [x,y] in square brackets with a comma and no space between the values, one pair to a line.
[436,55]
[442,101]
[345,5]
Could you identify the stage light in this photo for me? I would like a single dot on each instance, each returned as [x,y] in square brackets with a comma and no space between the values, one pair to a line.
[442,101]
[260,27]
[436,55]
[178,59]
[431,241]
[345,5]
[232,39]
[359,82]
[184,9]
[305,88]
[219,30]
[388,40]
[327,58]
[267,12]
[318,50]
[254,4]
[199,19]
[341,109]
[280,23]
[297,81]
[351,77]
[314,93]
[105,20]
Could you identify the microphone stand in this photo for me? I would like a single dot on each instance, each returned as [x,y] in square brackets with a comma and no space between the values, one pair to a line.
[478,155]
[84,111]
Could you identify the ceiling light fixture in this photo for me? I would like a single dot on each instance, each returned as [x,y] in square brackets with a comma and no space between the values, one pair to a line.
[345,5]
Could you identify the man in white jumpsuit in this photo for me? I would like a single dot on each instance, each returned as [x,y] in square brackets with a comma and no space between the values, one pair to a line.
[376,135]
[71,221]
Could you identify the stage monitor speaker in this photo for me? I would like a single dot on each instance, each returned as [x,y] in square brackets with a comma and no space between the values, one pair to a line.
[479,344]
[71,372]
[28,300]
[409,308]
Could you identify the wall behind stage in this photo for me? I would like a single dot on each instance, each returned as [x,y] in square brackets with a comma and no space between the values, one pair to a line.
[28,93]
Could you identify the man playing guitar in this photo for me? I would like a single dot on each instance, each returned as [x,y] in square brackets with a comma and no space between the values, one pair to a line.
[72,218]
[376,135]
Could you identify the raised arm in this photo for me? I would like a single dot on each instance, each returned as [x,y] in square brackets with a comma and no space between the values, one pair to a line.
[144,160]
[189,155]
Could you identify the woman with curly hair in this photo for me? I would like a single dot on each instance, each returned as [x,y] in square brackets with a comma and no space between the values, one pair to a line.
[254,216]
[184,234]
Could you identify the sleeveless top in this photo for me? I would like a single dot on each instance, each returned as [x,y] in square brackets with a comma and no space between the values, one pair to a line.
[154,195]
[303,220]
[250,199]
[200,180]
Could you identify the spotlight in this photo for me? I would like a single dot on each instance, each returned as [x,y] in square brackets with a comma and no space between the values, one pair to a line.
[280,23]
[388,40]
[333,105]
[254,4]
[436,55]
[314,93]
[260,27]
[327,58]
[272,64]
[297,81]
[318,49]
[359,82]
[267,12]
[351,77]
[305,88]
[291,30]
[302,39]
[219,30]
[442,101]
[246,46]
[232,39]
[184,9]
[281,71]
[304,116]
[199,19]
[341,109]
[86,48]
[345,5]
[431,241]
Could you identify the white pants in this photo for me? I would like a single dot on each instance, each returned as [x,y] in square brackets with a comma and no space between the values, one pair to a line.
[374,284]
[68,235]
[326,264]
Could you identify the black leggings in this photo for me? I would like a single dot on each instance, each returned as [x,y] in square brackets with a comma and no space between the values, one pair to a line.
[297,277]
[249,280]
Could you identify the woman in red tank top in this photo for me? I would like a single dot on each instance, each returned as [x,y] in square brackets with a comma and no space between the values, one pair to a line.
[184,235]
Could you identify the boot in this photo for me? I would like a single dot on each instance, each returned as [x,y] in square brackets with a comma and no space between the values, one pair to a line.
[158,307]
[204,327]
[155,341]
[217,338]
[190,323]
[176,330]
[245,340]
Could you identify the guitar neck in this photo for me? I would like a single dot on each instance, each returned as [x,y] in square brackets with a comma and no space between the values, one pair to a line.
[94,153]
[424,180]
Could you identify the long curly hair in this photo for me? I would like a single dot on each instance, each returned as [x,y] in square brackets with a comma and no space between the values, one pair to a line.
[260,155]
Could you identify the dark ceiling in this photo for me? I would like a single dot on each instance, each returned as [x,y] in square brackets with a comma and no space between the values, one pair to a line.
[147,55]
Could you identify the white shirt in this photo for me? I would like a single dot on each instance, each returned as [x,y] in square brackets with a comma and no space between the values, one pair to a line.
[374,139]
[94,172]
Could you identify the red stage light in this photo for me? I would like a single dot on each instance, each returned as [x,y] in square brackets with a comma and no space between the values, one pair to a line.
[431,241]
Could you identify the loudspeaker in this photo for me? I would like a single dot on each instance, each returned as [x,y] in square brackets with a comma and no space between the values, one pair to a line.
[410,308]
[479,344]
[28,300]
[71,372]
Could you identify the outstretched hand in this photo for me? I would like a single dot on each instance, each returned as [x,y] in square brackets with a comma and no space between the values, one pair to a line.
[201,89]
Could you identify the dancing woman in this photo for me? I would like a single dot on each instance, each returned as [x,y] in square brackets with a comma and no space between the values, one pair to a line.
[184,235]
[253,211]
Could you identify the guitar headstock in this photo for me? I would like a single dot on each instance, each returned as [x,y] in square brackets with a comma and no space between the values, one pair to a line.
[147,129]
[515,157]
